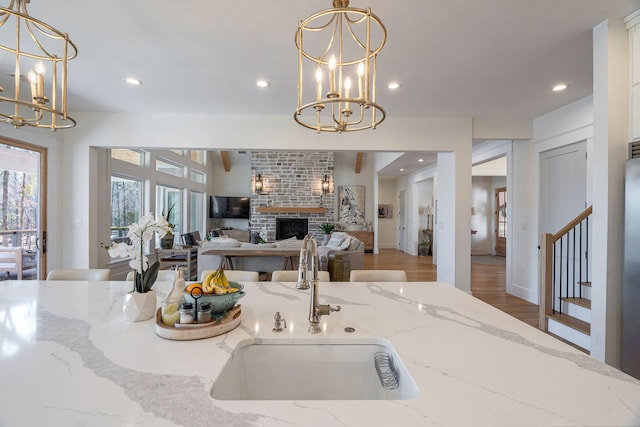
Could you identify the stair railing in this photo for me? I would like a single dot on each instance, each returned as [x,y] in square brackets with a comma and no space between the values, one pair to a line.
[564,265]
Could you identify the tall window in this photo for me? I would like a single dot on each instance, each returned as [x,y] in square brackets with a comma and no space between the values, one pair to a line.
[135,157]
[196,212]
[198,156]
[163,165]
[126,205]
[168,204]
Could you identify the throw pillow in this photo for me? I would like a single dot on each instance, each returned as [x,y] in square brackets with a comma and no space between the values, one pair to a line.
[355,243]
[344,245]
[335,241]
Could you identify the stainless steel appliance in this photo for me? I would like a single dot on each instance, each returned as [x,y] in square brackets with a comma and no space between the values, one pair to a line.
[631,275]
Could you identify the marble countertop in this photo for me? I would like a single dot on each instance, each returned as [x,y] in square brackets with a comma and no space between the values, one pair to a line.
[68,357]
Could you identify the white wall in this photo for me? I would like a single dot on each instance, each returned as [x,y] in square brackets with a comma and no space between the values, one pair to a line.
[388,227]
[610,138]
[344,174]
[236,182]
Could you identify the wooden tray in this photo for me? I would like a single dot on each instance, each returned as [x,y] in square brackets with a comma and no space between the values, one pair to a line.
[226,323]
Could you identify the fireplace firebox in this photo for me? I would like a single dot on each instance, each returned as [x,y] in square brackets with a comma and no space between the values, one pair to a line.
[291,227]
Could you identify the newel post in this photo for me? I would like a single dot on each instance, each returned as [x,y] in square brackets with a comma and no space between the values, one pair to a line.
[545,279]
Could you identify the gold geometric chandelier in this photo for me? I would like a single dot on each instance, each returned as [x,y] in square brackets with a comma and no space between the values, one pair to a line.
[35,94]
[338,58]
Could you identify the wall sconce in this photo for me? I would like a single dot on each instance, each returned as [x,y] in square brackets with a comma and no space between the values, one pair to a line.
[325,184]
[257,184]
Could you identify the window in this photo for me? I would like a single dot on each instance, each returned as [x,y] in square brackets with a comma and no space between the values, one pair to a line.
[198,156]
[126,205]
[168,204]
[197,176]
[196,212]
[135,157]
[178,152]
[163,165]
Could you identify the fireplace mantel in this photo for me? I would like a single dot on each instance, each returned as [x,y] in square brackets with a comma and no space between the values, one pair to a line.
[290,209]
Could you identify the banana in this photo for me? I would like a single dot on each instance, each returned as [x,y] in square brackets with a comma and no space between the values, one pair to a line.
[207,285]
[217,283]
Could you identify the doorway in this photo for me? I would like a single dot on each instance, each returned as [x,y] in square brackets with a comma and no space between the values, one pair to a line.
[23,206]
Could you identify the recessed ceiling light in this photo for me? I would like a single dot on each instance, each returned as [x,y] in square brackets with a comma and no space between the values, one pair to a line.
[133,81]
[393,85]
[401,169]
[263,83]
[559,87]
[421,160]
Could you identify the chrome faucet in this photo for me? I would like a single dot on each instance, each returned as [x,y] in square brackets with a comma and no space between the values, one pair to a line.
[315,310]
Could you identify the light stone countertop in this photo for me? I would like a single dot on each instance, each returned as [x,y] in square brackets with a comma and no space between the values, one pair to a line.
[68,358]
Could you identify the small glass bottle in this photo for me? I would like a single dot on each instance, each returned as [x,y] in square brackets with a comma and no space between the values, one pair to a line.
[173,301]
[204,312]
[186,313]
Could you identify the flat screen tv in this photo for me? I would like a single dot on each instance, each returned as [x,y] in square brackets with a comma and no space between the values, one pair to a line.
[229,207]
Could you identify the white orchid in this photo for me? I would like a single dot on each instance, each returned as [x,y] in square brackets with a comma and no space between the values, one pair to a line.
[138,234]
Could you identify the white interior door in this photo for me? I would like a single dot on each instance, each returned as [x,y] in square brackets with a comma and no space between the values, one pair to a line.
[563,186]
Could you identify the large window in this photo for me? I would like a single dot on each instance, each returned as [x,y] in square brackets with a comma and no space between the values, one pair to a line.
[163,165]
[135,157]
[196,212]
[126,205]
[168,204]
[198,156]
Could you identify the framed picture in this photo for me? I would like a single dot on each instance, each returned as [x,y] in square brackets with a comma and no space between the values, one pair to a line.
[385,211]
[351,204]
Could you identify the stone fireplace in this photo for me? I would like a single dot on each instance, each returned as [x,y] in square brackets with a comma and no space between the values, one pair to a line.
[291,227]
[292,190]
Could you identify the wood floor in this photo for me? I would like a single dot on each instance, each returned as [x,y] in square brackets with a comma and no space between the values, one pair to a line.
[487,280]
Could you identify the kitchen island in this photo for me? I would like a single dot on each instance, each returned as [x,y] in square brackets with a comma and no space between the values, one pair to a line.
[69,358]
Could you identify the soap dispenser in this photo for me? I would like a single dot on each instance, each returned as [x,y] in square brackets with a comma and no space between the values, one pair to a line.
[171,304]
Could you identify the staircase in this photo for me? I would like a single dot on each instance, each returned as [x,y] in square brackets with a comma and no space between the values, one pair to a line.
[565,288]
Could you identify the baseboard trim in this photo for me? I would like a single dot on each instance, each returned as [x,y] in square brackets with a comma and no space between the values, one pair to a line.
[526,294]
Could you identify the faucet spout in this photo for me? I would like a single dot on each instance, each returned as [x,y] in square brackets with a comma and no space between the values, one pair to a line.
[303,263]
[315,310]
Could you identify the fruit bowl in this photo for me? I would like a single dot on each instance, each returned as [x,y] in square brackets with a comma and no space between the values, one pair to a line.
[220,303]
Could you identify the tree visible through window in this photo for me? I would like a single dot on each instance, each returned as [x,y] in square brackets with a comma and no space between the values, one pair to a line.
[18,203]
[126,203]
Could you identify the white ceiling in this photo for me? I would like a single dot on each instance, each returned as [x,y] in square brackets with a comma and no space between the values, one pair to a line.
[454,58]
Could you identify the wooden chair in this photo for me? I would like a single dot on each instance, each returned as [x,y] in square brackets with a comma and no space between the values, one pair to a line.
[292,276]
[163,275]
[235,275]
[378,276]
[93,274]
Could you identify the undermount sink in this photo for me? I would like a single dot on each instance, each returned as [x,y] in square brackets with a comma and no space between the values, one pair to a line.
[281,369]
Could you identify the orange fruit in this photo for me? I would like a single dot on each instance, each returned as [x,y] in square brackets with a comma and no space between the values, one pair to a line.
[193,286]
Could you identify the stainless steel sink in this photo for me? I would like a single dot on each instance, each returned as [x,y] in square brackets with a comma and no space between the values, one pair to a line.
[301,369]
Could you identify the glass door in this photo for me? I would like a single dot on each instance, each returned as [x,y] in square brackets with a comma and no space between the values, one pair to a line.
[23,244]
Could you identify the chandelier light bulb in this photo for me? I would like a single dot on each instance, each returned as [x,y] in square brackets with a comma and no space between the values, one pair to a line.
[32,76]
[40,68]
[319,83]
[332,73]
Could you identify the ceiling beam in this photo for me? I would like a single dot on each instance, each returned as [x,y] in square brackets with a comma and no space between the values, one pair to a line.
[359,161]
[226,162]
